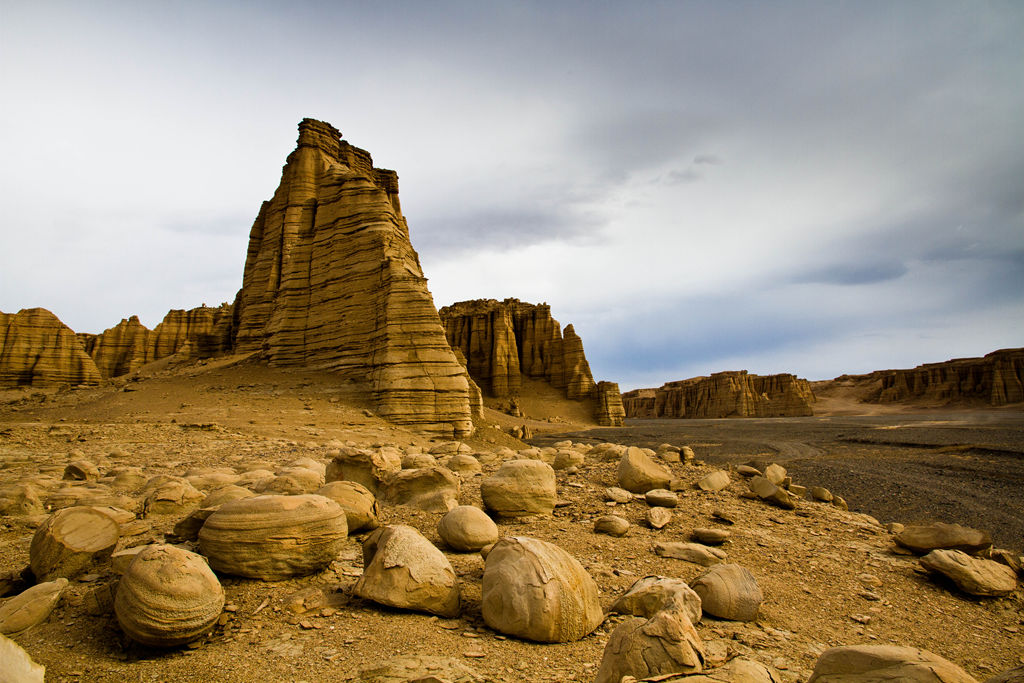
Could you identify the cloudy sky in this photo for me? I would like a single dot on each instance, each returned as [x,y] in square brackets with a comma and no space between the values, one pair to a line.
[818,188]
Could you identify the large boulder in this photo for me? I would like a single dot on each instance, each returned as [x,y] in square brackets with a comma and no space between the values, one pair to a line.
[30,607]
[167,597]
[639,473]
[360,505]
[70,541]
[433,489]
[18,666]
[871,663]
[367,467]
[274,537]
[973,575]
[533,589]
[651,594]
[467,528]
[403,569]
[728,591]
[520,488]
[667,643]
[924,538]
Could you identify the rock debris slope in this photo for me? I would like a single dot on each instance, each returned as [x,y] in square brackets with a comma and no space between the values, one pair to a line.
[724,394]
[503,341]
[37,349]
[332,282]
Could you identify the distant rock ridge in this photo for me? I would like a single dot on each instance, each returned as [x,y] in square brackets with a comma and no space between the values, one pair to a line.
[502,341]
[38,350]
[126,347]
[331,282]
[724,394]
[996,379]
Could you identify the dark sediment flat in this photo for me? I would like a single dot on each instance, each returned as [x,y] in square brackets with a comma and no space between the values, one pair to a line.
[964,467]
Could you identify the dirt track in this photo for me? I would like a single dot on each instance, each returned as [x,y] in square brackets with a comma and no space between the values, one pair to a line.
[965,467]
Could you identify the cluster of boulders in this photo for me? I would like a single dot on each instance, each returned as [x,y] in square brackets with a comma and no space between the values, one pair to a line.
[265,522]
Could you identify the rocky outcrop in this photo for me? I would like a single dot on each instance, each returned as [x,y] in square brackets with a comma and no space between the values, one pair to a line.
[332,282]
[126,347]
[995,379]
[38,350]
[502,341]
[724,394]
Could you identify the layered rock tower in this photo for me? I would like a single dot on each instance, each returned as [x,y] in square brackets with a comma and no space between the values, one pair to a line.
[38,350]
[332,282]
[502,341]
[724,394]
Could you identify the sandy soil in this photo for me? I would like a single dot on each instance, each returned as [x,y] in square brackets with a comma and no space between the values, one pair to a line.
[811,563]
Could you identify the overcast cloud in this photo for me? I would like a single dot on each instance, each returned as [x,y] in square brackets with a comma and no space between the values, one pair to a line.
[803,187]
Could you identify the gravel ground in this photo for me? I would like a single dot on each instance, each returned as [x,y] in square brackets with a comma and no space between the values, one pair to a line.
[965,467]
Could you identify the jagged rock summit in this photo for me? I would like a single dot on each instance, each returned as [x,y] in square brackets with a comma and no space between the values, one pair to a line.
[331,282]
[504,341]
[724,394]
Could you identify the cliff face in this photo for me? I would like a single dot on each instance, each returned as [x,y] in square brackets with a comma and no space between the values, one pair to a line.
[37,349]
[124,348]
[503,340]
[724,394]
[996,379]
[332,282]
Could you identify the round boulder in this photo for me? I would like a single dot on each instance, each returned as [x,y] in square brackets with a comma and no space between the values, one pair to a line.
[535,590]
[274,537]
[639,473]
[728,591]
[869,663]
[467,528]
[361,509]
[403,569]
[520,488]
[167,597]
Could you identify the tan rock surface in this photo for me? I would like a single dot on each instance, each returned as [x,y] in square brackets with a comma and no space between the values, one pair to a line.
[167,596]
[38,350]
[651,594]
[520,488]
[332,283]
[729,591]
[403,569]
[19,666]
[70,541]
[274,537]
[868,663]
[724,394]
[30,607]
[971,574]
[667,643]
[533,589]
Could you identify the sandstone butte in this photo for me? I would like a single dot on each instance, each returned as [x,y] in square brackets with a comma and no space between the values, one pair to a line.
[37,349]
[995,379]
[724,394]
[331,283]
[502,341]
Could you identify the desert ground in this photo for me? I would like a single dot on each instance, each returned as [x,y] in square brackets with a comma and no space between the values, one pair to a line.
[830,576]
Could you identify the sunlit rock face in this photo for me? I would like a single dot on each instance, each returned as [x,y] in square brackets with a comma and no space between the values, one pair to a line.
[503,341]
[724,394]
[126,347]
[332,282]
[38,350]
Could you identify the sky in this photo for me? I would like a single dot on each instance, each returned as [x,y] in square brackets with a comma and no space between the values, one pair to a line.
[809,187]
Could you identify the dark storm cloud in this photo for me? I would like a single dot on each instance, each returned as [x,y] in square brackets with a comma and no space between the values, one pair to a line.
[496,228]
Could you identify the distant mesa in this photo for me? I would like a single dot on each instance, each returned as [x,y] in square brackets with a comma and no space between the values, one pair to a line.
[724,394]
[503,341]
[996,379]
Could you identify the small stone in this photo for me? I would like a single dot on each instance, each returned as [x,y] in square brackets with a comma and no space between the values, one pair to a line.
[716,481]
[617,495]
[710,536]
[821,494]
[658,518]
[690,552]
[612,525]
[661,498]
[775,473]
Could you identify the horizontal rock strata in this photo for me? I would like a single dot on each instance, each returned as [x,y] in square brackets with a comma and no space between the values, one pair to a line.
[332,282]
[995,379]
[38,350]
[724,394]
[126,347]
[502,341]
